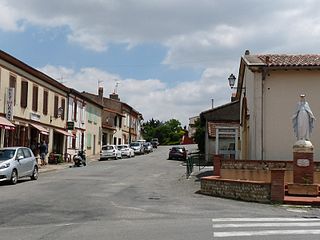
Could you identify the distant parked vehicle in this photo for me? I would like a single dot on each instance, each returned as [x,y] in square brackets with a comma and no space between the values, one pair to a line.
[126,150]
[148,147]
[155,142]
[178,153]
[137,147]
[17,162]
[110,151]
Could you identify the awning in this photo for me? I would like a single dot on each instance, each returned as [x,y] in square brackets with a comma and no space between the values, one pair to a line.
[41,129]
[6,124]
[64,132]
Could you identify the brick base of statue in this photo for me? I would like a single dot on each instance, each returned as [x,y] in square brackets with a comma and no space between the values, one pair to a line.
[303,168]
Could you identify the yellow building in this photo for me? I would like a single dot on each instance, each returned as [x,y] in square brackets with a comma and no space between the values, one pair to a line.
[34,104]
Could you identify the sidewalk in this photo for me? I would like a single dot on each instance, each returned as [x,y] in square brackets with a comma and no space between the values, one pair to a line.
[55,167]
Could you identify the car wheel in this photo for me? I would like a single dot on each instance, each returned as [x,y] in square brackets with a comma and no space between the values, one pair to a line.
[14,177]
[35,173]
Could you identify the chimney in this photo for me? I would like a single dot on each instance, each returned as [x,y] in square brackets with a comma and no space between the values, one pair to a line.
[114,96]
[100,89]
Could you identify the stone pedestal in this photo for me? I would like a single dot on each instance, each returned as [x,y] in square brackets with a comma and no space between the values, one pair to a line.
[303,166]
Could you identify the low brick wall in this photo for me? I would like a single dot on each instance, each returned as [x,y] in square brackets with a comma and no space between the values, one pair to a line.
[255,191]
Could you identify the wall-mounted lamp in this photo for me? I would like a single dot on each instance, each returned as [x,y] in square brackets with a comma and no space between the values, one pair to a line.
[60,112]
[232,81]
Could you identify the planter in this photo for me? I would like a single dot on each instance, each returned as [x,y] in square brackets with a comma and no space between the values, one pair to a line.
[303,189]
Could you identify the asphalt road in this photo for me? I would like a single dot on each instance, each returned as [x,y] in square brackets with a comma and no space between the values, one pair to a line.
[146,197]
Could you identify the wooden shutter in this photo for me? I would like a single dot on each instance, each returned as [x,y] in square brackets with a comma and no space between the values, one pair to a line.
[13,84]
[24,94]
[35,98]
[63,105]
[45,102]
[56,103]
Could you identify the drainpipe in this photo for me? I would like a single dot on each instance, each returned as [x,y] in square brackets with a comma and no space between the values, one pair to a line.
[264,74]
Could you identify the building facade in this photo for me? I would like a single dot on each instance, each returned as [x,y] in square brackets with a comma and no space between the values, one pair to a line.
[269,88]
[34,104]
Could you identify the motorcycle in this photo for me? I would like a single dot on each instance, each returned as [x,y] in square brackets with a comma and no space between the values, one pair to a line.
[80,159]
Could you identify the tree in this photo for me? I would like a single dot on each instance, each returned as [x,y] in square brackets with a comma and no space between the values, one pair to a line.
[199,136]
[168,133]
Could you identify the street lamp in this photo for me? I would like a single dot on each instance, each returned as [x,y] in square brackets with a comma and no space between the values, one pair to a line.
[232,80]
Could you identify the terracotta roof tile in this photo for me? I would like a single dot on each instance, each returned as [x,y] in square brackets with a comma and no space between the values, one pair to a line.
[283,60]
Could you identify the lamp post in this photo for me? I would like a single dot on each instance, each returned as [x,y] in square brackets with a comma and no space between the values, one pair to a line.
[232,81]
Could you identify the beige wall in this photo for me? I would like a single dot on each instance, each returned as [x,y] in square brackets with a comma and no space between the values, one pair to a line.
[23,114]
[93,132]
[277,102]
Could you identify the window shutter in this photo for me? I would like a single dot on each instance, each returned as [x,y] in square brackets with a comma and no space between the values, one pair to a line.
[63,105]
[24,94]
[45,102]
[35,98]
[56,103]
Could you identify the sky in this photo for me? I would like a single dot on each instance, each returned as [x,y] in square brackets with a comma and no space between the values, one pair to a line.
[168,59]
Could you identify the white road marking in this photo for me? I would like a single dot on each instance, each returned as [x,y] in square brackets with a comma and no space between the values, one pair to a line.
[276,226]
[265,233]
[126,207]
[265,219]
[268,224]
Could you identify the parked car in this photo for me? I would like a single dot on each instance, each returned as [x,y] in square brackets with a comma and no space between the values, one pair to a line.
[110,151]
[17,162]
[148,148]
[126,150]
[178,153]
[155,142]
[137,147]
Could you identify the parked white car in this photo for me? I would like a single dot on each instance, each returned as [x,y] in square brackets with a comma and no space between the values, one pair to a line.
[126,150]
[17,162]
[110,151]
[137,147]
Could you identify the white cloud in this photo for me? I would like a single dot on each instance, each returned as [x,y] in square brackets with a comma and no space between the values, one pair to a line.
[151,97]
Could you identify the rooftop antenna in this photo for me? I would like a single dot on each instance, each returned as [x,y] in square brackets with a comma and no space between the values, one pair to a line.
[61,78]
[100,83]
[117,82]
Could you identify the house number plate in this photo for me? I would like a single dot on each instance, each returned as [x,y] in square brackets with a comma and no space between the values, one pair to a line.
[303,162]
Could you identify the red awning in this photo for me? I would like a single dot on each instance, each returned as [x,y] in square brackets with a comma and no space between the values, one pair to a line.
[41,129]
[6,124]
[64,132]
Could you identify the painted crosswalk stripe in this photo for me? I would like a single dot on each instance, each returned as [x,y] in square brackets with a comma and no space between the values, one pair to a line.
[264,233]
[264,219]
[276,226]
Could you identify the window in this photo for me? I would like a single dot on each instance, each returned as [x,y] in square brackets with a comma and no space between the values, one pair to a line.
[120,122]
[75,110]
[26,152]
[24,94]
[13,84]
[115,121]
[88,141]
[35,98]
[56,106]
[63,106]
[45,102]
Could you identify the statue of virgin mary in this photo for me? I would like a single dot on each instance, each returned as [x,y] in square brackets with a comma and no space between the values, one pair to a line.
[303,120]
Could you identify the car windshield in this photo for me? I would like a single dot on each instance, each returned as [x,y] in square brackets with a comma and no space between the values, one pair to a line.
[6,154]
[135,144]
[107,148]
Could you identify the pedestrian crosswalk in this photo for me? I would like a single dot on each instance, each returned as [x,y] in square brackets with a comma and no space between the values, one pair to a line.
[246,227]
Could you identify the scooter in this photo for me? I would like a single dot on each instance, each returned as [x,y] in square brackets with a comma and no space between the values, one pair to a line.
[80,159]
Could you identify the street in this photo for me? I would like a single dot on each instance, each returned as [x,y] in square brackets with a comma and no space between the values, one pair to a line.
[145,197]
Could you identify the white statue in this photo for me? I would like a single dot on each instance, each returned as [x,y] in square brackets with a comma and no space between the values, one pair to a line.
[303,120]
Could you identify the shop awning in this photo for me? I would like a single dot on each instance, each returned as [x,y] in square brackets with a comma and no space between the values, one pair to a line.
[6,124]
[64,132]
[41,129]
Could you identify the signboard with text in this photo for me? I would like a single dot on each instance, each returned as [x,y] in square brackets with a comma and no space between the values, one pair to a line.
[10,103]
